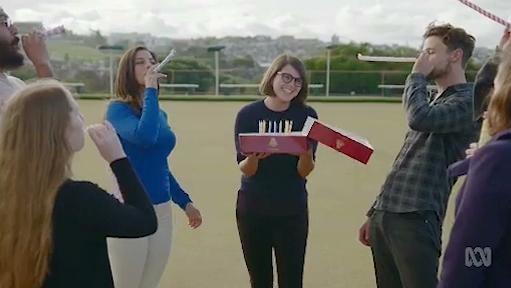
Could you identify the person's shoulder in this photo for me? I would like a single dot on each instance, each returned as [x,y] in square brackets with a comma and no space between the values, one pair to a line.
[252,107]
[310,110]
[118,106]
[78,185]
[304,108]
[118,103]
[496,152]
[465,90]
[73,191]
[494,161]
[16,81]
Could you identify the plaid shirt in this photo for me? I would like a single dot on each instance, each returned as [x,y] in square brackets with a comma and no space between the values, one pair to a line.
[440,131]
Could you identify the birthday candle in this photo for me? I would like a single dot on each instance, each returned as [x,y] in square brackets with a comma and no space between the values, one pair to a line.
[280,126]
[274,126]
[291,126]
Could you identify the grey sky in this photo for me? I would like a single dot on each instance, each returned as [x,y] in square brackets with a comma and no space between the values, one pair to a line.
[375,21]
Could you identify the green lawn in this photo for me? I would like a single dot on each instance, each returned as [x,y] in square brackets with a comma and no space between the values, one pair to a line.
[340,192]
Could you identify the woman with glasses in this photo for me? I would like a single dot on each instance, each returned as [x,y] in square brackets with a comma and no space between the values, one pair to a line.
[271,210]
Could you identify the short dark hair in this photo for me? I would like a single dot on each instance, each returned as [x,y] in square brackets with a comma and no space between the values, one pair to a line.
[454,38]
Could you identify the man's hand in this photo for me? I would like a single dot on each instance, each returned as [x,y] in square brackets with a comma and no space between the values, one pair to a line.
[423,65]
[34,45]
[363,234]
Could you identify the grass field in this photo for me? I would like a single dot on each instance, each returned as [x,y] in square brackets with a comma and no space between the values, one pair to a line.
[340,192]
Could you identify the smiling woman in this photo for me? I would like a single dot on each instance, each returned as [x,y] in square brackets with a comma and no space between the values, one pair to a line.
[272,210]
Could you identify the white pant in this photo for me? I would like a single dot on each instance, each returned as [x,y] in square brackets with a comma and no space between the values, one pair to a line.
[140,262]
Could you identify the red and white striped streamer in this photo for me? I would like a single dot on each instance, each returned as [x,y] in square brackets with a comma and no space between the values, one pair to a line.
[486,13]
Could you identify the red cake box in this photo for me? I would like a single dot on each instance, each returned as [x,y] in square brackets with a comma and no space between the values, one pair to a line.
[343,141]
[278,143]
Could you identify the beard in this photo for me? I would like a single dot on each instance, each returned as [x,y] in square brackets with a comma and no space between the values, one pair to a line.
[10,55]
[439,72]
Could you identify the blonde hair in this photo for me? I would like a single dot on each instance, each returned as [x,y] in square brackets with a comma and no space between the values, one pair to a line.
[499,109]
[34,163]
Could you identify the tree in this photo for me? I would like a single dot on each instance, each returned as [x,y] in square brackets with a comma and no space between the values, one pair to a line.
[190,71]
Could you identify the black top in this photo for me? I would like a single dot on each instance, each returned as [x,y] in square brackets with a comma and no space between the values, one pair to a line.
[276,188]
[84,216]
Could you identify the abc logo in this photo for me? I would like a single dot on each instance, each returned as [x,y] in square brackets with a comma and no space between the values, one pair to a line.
[477,257]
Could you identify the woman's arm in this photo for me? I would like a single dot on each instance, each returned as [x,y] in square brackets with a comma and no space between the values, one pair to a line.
[305,163]
[143,130]
[101,213]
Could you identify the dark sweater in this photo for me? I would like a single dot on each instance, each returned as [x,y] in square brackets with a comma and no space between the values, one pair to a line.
[84,216]
[276,188]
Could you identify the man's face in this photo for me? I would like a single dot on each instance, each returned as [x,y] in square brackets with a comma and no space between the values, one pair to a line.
[439,55]
[10,53]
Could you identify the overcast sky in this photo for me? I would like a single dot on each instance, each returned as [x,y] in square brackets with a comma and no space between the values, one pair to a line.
[375,21]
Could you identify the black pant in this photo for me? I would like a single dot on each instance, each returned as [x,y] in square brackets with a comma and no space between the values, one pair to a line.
[406,248]
[287,235]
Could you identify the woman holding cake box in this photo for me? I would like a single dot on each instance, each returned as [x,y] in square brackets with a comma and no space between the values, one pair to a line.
[272,210]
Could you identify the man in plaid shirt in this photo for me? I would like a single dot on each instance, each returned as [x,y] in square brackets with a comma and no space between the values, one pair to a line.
[405,222]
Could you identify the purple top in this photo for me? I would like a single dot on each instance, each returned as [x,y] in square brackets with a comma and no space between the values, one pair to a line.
[479,250]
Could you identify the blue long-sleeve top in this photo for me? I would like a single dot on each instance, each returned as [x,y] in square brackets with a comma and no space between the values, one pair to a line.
[483,221]
[148,140]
